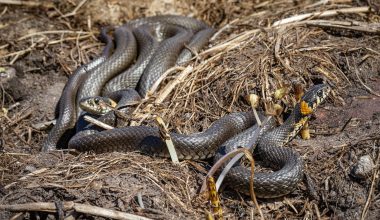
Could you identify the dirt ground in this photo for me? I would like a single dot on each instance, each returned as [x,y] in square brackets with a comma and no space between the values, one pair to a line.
[42,43]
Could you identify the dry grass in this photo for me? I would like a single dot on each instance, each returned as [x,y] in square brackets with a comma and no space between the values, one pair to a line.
[247,55]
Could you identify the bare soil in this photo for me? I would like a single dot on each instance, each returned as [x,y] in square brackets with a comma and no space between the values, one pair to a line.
[43,43]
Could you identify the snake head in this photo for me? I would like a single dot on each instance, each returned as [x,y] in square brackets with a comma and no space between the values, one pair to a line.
[313,98]
[97,105]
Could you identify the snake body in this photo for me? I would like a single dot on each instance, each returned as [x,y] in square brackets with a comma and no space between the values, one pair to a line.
[90,79]
[167,37]
[129,78]
[67,111]
[287,164]
[224,135]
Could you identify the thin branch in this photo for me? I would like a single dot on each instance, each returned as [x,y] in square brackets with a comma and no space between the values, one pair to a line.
[74,12]
[27,3]
[52,32]
[97,122]
[67,206]
[328,13]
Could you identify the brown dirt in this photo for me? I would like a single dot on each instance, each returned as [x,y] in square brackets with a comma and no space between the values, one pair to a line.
[345,128]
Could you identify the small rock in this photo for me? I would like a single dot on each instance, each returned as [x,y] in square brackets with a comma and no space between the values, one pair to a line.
[363,168]
[30,168]
[11,84]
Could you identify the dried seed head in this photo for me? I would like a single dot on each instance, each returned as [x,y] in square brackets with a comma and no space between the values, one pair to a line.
[280,93]
[253,99]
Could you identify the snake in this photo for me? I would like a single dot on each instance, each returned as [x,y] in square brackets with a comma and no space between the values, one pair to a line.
[223,136]
[160,33]
[172,41]
[66,120]
[287,164]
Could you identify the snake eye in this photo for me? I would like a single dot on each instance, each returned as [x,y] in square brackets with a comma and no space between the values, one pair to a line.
[96,100]
[320,93]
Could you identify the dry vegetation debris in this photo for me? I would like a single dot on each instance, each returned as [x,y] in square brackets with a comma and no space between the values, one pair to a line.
[257,49]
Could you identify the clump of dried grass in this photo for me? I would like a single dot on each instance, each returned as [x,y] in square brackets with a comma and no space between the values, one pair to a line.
[258,60]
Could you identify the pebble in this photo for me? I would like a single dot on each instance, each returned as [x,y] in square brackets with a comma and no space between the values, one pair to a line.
[363,168]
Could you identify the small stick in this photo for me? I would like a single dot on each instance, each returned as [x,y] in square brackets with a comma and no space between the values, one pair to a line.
[165,135]
[97,122]
[67,206]
[154,87]
[172,84]
[327,13]
[53,32]
[364,85]
[22,117]
[348,25]
[74,12]
[27,3]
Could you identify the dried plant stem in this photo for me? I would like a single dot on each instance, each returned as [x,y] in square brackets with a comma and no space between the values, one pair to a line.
[163,94]
[364,85]
[327,13]
[66,206]
[27,3]
[154,87]
[97,122]
[165,136]
[74,12]
[52,32]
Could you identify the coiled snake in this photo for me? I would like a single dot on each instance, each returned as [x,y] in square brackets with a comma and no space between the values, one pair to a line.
[161,44]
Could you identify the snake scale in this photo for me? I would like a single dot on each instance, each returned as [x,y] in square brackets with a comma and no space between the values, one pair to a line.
[144,49]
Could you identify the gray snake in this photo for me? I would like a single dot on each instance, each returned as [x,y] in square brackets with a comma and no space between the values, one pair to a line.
[168,36]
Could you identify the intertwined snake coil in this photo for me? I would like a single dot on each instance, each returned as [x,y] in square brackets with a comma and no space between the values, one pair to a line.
[159,43]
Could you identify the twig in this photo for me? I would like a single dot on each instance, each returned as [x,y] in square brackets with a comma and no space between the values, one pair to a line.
[321,2]
[225,27]
[67,206]
[172,84]
[230,44]
[22,117]
[162,77]
[34,173]
[97,122]
[364,85]
[27,3]
[327,13]
[52,32]
[18,53]
[373,28]
[74,12]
